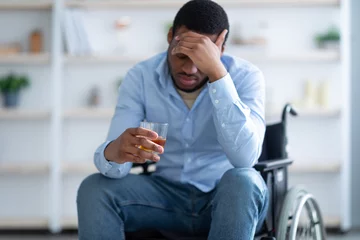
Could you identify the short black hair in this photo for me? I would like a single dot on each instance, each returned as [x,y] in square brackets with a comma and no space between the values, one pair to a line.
[202,16]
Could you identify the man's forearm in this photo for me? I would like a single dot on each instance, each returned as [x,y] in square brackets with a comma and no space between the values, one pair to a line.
[238,134]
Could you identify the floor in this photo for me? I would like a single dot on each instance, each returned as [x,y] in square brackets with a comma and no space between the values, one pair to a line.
[348,236]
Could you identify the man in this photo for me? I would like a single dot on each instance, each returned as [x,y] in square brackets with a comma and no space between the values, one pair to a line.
[204,181]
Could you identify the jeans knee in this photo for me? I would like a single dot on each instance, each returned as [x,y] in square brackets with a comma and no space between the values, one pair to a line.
[242,180]
[88,188]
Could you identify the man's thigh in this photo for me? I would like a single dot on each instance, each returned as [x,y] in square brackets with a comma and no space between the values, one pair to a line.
[145,202]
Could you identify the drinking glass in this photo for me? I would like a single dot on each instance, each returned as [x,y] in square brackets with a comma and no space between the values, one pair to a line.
[160,128]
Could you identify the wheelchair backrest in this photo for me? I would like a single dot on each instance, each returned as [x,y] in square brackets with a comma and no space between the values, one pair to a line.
[275,141]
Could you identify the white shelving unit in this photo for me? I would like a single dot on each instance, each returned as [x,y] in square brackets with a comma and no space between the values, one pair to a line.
[69,70]
[88,168]
[26,5]
[35,167]
[24,223]
[178,3]
[88,113]
[316,168]
[24,115]
[31,59]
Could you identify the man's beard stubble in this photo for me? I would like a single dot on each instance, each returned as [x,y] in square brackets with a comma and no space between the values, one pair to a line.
[200,85]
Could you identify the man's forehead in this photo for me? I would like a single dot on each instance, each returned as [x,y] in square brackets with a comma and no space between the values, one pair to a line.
[184,29]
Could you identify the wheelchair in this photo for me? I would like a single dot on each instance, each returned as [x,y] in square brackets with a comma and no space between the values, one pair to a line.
[293,214]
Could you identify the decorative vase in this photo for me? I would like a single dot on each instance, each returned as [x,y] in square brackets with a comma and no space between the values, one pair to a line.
[10,99]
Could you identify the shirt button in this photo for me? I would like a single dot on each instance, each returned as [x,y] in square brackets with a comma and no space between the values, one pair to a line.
[216,101]
[214,90]
[189,159]
[223,125]
[186,145]
[188,119]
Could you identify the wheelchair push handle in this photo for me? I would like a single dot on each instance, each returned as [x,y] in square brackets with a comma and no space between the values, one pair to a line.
[288,109]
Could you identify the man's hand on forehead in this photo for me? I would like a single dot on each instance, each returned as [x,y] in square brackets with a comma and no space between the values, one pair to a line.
[204,53]
[191,36]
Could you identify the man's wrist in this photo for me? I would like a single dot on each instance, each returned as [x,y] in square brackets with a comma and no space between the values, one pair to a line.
[218,73]
[108,152]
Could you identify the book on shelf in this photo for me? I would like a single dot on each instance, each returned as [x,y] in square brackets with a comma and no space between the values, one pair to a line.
[90,34]
[76,37]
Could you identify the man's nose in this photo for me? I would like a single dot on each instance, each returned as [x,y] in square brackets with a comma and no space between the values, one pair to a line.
[189,67]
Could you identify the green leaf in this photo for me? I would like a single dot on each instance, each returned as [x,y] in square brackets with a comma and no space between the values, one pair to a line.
[13,83]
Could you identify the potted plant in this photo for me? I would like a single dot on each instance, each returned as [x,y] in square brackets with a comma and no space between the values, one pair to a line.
[330,39]
[10,87]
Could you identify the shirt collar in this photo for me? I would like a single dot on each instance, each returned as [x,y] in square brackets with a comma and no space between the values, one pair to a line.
[163,70]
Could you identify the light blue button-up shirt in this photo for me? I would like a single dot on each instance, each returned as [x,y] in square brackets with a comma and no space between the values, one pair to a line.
[223,129]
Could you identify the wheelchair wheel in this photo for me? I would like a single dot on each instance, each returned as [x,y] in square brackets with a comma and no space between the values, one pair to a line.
[300,217]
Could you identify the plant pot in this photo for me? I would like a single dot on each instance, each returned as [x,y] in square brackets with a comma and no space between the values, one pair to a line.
[10,99]
[329,45]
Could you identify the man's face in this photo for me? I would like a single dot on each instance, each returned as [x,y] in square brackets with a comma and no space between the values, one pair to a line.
[186,76]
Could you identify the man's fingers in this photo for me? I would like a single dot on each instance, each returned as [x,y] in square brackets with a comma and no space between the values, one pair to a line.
[143,132]
[181,49]
[133,158]
[191,39]
[139,141]
[220,40]
[187,44]
[143,154]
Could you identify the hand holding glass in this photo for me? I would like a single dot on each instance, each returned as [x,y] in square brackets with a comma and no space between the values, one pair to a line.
[160,128]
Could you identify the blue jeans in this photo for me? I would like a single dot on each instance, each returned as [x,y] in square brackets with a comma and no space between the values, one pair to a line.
[235,209]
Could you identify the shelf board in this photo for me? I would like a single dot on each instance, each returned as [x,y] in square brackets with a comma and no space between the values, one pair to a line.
[311,56]
[23,222]
[89,113]
[72,167]
[104,59]
[18,114]
[82,167]
[25,5]
[226,3]
[27,167]
[25,58]
[69,222]
[324,56]
[334,167]
[310,113]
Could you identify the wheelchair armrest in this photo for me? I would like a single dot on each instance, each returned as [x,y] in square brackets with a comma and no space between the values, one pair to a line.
[268,165]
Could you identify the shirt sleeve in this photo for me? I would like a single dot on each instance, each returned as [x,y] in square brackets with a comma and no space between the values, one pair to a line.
[129,112]
[238,115]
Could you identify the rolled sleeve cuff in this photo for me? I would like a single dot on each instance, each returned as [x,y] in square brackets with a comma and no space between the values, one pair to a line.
[106,167]
[223,92]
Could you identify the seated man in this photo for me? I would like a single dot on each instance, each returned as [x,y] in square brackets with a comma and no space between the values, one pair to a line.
[204,182]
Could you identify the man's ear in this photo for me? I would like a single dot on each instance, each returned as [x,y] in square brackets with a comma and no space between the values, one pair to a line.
[223,48]
[170,35]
